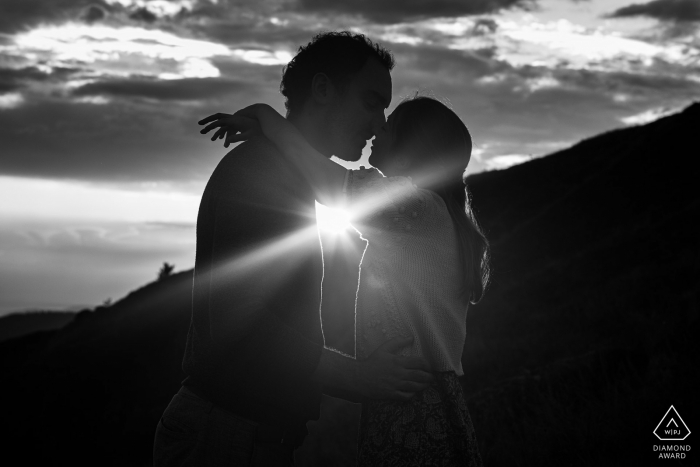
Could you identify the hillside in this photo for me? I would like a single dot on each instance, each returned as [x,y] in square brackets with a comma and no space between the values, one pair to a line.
[581,344]
[21,324]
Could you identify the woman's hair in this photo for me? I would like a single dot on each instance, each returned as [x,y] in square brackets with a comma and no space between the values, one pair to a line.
[436,142]
[337,54]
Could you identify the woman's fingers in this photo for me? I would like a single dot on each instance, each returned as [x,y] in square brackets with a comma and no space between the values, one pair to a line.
[231,138]
[211,126]
[234,128]
[221,132]
[213,117]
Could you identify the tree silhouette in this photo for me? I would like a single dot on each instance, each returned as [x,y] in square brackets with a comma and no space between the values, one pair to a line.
[165,271]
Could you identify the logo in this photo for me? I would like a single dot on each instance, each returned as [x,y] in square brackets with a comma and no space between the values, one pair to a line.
[671,427]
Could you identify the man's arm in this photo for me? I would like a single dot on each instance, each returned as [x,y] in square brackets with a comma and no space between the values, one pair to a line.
[325,176]
[382,376]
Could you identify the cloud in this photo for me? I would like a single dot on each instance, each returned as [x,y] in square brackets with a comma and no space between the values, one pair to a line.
[649,116]
[116,50]
[25,77]
[66,243]
[565,44]
[120,142]
[396,11]
[11,100]
[93,13]
[85,202]
[505,161]
[522,84]
[150,10]
[143,14]
[181,89]
[54,263]
[145,133]
[526,41]
[514,108]
[12,79]
[665,10]
[18,15]
[21,15]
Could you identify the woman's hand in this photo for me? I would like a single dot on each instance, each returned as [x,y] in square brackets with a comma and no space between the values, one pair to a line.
[240,126]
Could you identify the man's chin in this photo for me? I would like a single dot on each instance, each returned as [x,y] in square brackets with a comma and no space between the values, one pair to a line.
[349,156]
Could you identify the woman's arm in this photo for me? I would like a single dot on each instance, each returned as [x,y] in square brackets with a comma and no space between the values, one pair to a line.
[325,176]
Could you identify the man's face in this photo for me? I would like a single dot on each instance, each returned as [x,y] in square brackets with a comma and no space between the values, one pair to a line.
[357,113]
[380,157]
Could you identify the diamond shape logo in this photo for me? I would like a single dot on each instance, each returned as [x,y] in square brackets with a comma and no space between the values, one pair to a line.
[671,427]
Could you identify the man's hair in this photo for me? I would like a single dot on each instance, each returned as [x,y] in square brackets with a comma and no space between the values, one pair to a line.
[336,54]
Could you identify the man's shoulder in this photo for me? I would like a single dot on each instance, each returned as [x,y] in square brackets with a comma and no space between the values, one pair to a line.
[255,168]
[255,152]
[257,159]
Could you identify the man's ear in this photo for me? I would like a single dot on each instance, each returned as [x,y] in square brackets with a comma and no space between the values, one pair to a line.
[322,88]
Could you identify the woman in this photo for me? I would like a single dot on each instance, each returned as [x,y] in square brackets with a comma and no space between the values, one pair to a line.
[426,260]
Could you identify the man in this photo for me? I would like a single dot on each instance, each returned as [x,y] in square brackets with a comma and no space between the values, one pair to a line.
[255,358]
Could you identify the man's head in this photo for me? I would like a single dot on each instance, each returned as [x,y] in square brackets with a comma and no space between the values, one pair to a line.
[339,86]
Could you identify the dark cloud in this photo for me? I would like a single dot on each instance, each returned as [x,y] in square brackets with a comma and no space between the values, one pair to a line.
[534,109]
[167,90]
[435,65]
[240,31]
[665,10]
[117,141]
[16,79]
[128,139]
[18,15]
[143,14]
[395,11]
[12,79]
[93,13]
[484,26]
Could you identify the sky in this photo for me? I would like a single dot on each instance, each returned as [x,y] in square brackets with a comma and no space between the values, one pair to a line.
[101,160]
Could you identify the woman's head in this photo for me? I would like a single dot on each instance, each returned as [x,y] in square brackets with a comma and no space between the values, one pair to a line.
[425,139]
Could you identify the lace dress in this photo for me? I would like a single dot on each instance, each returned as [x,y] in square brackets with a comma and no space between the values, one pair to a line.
[409,286]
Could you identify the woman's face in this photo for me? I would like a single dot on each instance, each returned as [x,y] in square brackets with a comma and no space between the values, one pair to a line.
[381,144]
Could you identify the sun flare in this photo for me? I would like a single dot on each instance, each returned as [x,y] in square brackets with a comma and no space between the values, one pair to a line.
[332,220]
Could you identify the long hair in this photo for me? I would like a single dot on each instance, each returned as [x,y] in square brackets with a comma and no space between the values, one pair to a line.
[437,143]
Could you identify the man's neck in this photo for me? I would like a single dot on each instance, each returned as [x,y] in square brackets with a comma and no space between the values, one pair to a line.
[311,130]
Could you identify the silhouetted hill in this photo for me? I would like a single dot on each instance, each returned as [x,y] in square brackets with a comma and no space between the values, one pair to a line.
[612,215]
[96,388]
[582,342]
[21,324]
[595,300]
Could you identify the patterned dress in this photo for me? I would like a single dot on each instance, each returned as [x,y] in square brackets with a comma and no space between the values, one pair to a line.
[409,286]
[431,429]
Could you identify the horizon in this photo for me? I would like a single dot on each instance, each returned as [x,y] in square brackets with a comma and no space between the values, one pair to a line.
[103,165]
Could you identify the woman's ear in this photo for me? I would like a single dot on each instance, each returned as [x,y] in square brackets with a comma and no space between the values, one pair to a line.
[322,89]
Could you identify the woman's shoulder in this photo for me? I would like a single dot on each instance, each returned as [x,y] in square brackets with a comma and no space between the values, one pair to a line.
[365,173]
[373,176]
